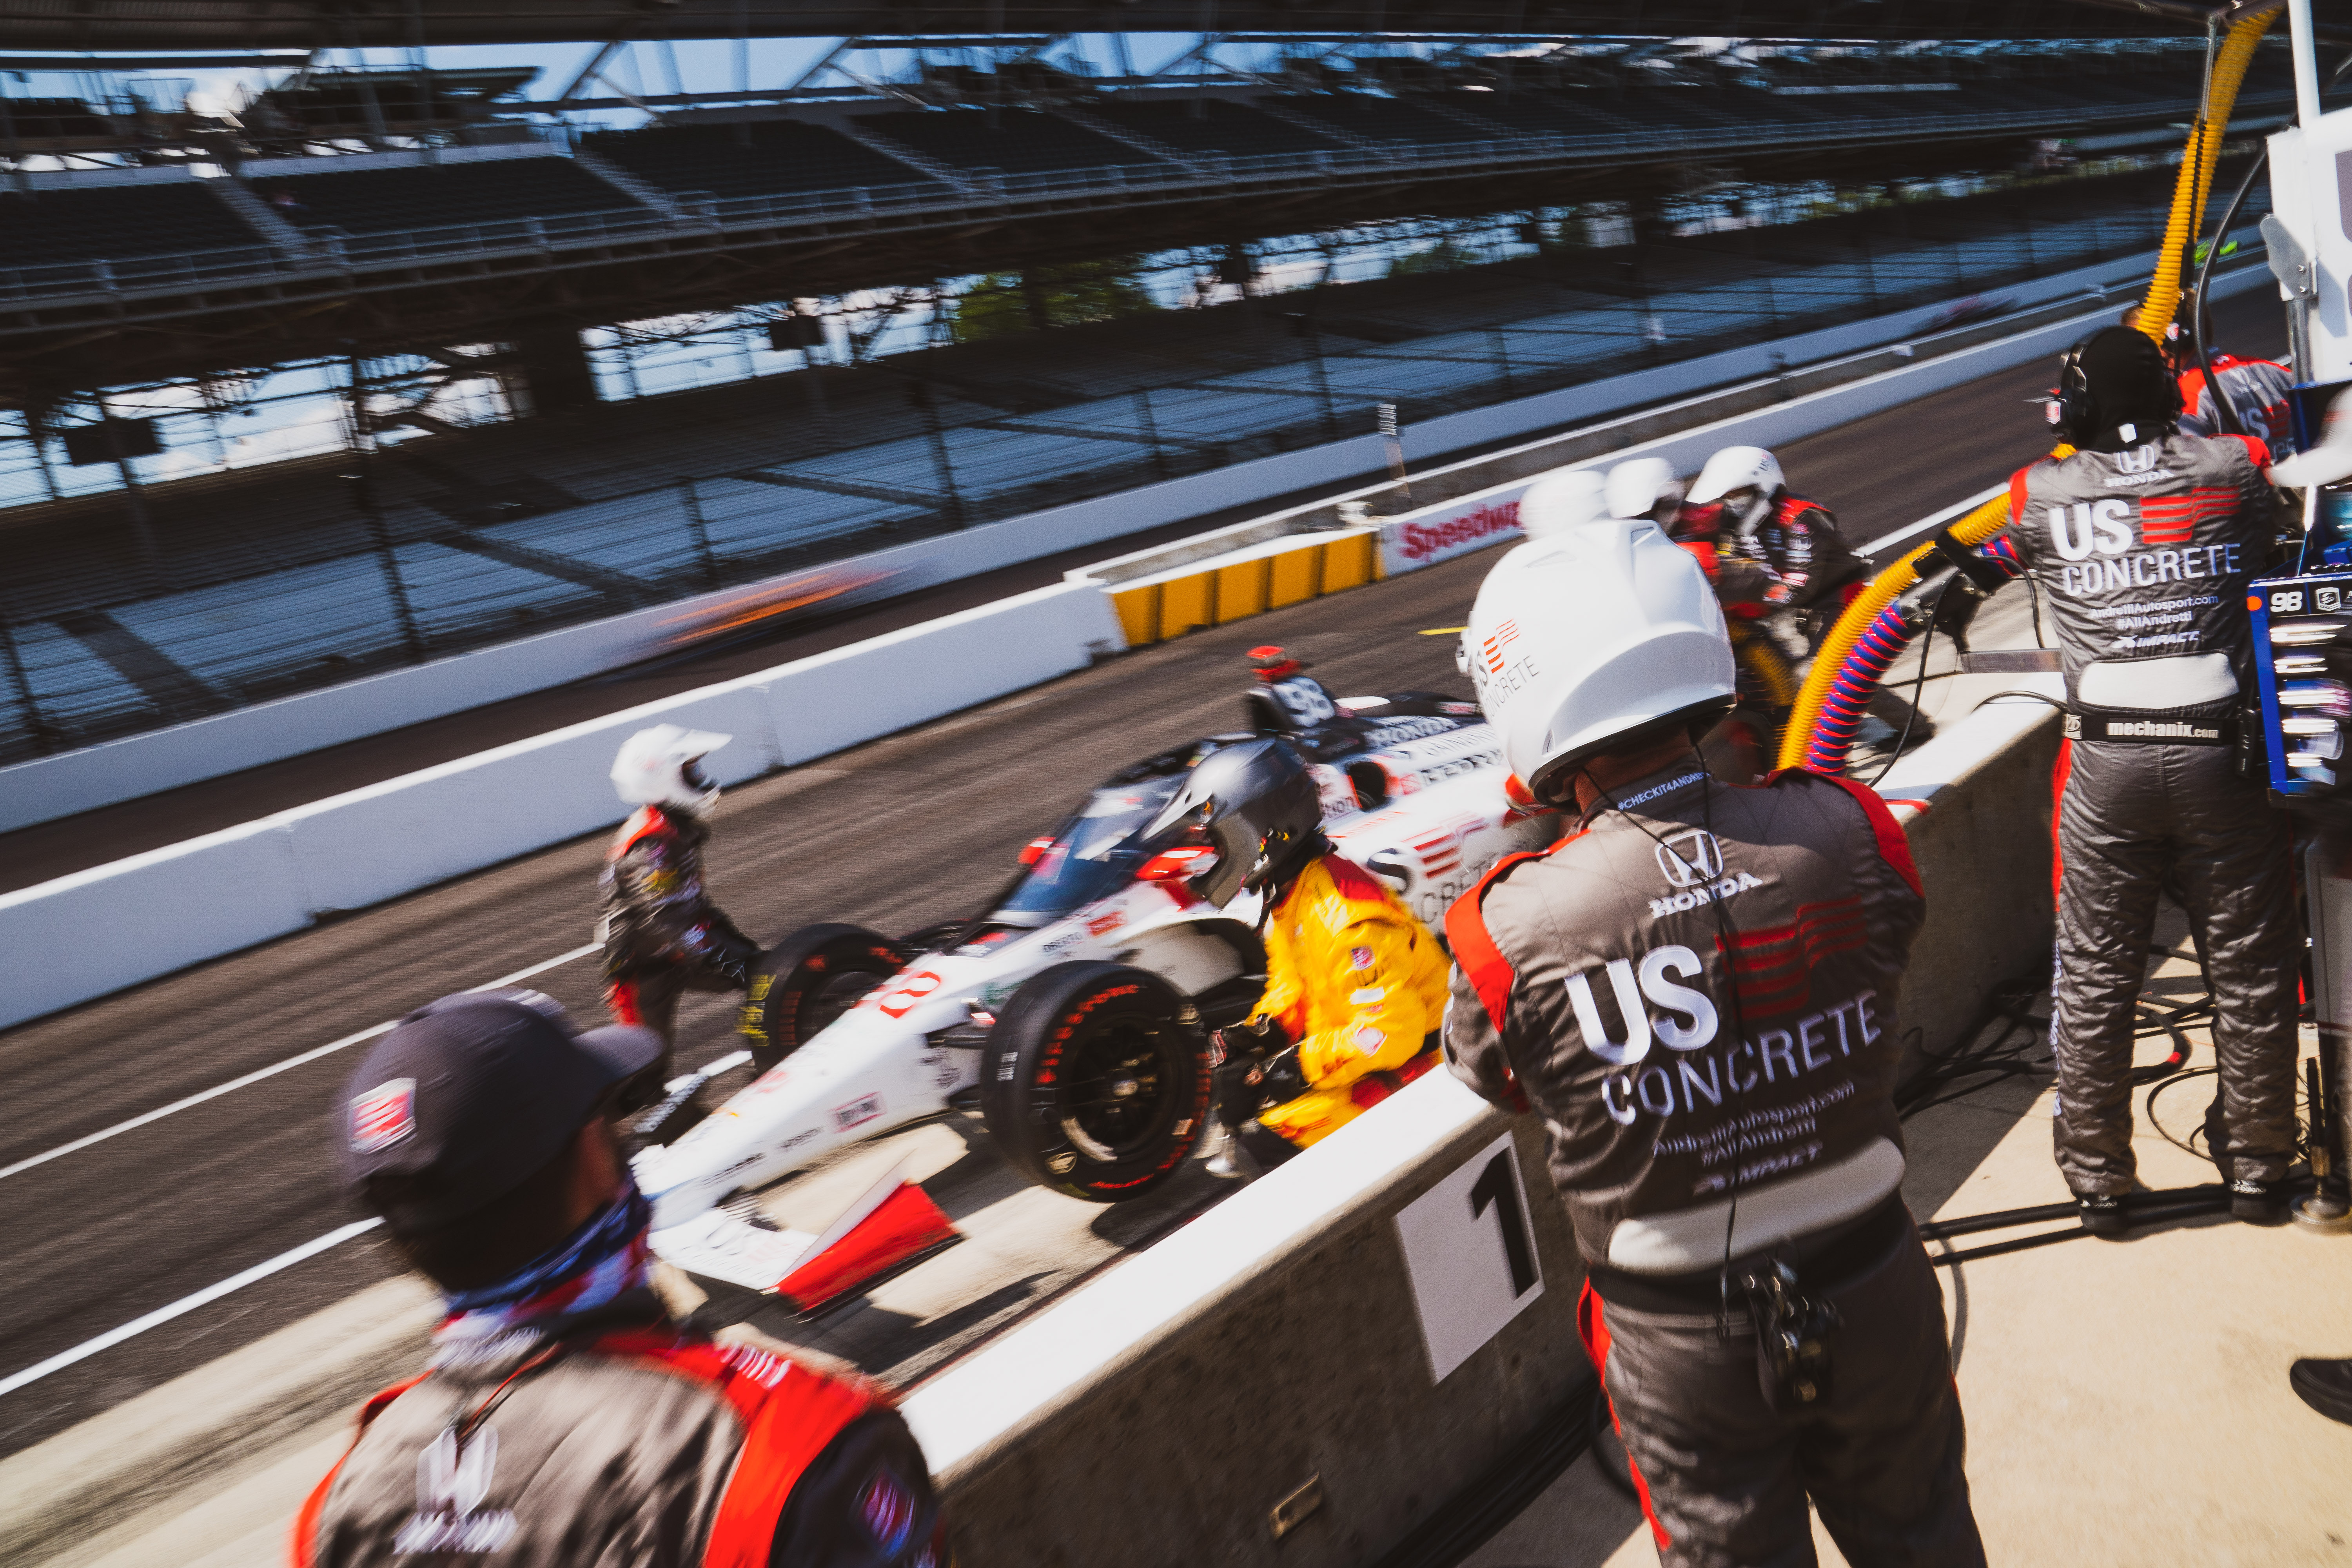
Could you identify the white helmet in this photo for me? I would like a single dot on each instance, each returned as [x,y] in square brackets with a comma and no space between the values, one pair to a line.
[1741,468]
[1639,487]
[1557,502]
[1580,643]
[662,766]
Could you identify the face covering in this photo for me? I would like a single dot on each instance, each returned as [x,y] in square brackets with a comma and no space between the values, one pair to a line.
[604,1257]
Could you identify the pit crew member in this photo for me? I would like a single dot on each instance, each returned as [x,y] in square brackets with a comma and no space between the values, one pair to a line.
[1774,554]
[1354,984]
[566,1417]
[1697,993]
[2257,388]
[2145,540]
[662,934]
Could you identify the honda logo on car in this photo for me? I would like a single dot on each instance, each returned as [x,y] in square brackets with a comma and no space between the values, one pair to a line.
[1422,542]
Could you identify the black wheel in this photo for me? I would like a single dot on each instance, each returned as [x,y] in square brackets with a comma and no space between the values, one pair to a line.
[1095,1080]
[808,979]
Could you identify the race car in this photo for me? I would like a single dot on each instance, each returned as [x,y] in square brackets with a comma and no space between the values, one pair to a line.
[1075,1014]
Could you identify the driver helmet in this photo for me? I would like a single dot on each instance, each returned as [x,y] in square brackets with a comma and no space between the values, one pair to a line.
[1644,486]
[1557,502]
[1597,641]
[1746,481]
[1258,806]
[1273,663]
[663,766]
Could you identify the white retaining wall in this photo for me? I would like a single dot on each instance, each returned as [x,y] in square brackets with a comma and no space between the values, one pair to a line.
[52,787]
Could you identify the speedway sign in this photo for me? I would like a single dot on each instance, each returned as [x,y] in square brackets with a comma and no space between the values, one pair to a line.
[1422,538]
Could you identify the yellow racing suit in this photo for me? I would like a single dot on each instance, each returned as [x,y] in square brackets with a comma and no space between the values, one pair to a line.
[1359,983]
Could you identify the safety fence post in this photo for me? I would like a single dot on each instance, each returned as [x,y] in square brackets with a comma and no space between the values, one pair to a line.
[694,524]
[1502,356]
[920,392]
[44,739]
[362,485]
[1151,430]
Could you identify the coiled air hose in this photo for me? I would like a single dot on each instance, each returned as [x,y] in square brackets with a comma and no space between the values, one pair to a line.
[1844,663]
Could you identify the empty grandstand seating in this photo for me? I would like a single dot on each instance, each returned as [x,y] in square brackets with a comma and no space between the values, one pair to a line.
[114,222]
[1017,140]
[758,158]
[1390,119]
[429,196]
[52,119]
[1216,125]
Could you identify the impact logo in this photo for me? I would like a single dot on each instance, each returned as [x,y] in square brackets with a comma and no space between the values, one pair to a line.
[1693,863]
[384,1115]
[452,1479]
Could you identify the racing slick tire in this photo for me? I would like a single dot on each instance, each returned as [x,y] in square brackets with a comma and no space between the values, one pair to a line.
[1095,1081]
[808,979]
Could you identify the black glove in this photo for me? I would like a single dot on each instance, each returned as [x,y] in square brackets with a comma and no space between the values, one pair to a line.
[1237,1091]
[1283,1081]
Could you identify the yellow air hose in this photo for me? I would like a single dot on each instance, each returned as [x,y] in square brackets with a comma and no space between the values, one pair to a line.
[2189,196]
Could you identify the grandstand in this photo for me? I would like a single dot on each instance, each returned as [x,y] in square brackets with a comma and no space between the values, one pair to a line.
[308,24]
[272,582]
[358,222]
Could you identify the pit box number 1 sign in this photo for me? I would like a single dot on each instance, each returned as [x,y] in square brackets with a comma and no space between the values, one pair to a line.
[1471,1254]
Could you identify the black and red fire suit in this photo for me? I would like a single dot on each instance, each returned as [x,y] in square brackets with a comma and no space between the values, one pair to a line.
[1697,993]
[1796,562]
[2145,554]
[662,933]
[2258,390]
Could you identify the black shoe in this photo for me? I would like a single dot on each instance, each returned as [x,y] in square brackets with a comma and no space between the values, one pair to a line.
[2325,1386]
[2103,1213]
[2257,1203]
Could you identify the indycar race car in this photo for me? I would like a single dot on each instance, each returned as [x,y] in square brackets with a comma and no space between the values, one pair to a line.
[1075,1014]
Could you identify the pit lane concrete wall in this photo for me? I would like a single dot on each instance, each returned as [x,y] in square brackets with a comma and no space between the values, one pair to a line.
[1161,1414]
[51,787]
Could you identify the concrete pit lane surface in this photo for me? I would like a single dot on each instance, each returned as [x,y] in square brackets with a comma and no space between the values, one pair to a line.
[898,833]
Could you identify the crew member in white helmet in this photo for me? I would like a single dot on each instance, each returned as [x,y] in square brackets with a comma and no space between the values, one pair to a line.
[1772,554]
[1697,991]
[662,933]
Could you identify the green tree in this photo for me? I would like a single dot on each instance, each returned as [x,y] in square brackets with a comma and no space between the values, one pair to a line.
[1002,303]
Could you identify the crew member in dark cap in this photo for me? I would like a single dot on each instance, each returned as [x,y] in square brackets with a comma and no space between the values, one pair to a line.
[2144,539]
[565,1417]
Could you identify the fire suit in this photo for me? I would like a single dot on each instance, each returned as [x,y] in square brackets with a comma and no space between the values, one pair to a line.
[662,934]
[618,1436]
[2145,554]
[2257,389]
[1359,983]
[1697,991]
[1795,562]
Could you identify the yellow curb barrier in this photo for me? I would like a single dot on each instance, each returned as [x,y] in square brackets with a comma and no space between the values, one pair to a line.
[1233,590]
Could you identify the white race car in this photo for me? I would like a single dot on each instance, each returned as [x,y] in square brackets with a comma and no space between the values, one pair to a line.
[1075,1014]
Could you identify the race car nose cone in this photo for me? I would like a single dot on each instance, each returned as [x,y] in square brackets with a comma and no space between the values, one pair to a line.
[1124,1085]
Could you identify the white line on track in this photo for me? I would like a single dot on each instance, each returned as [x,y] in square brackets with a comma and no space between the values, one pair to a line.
[185,1305]
[272,1071]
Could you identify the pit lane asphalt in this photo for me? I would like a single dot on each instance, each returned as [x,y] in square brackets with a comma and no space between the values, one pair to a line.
[896,834]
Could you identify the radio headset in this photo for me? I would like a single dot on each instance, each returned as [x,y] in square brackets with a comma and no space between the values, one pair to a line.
[2073,412]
